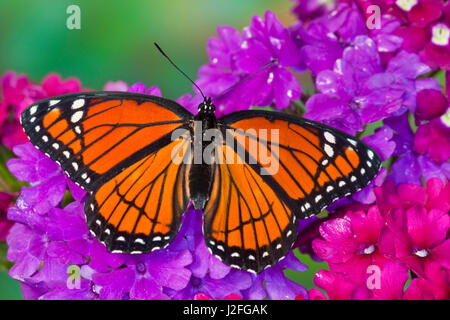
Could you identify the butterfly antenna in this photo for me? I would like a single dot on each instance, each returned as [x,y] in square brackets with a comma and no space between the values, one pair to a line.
[243,80]
[176,67]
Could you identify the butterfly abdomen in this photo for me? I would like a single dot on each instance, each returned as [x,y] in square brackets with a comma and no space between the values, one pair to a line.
[199,184]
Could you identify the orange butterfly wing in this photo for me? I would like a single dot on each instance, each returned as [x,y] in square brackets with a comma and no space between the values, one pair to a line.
[118,146]
[306,167]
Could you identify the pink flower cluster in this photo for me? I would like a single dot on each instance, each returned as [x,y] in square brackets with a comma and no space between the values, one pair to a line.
[18,92]
[373,251]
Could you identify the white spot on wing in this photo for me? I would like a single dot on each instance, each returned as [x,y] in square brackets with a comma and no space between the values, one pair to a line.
[53,102]
[76,116]
[139,240]
[33,110]
[330,137]
[353,142]
[78,104]
[329,150]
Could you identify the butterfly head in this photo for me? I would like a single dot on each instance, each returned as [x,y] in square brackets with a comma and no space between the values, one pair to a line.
[206,107]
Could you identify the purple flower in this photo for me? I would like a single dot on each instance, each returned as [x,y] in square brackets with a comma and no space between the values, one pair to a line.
[359,91]
[218,289]
[46,177]
[272,283]
[424,153]
[208,274]
[220,74]
[323,40]
[234,57]
[306,10]
[264,41]
[144,276]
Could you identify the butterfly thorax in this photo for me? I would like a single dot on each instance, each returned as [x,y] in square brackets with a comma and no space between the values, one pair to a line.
[200,171]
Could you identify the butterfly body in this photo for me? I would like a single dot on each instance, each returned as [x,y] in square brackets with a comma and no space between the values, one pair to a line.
[200,171]
[254,174]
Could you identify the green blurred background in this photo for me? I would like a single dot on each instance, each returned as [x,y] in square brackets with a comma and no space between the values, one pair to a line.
[115,42]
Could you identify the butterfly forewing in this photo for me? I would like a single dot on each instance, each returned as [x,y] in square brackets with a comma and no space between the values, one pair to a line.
[93,136]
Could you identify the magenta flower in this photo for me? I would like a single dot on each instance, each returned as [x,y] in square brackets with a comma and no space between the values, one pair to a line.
[350,243]
[369,252]
[313,294]
[18,92]
[336,285]
[202,296]
[426,30]
[433,287]
[417,227]
[389,286]
[5,201]
[431,103]
[433,139]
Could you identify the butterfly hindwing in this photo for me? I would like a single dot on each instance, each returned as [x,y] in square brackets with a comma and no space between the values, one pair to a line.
[140,209]
[245,223]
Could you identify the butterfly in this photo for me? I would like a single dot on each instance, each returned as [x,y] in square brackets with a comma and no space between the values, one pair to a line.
[120,148]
